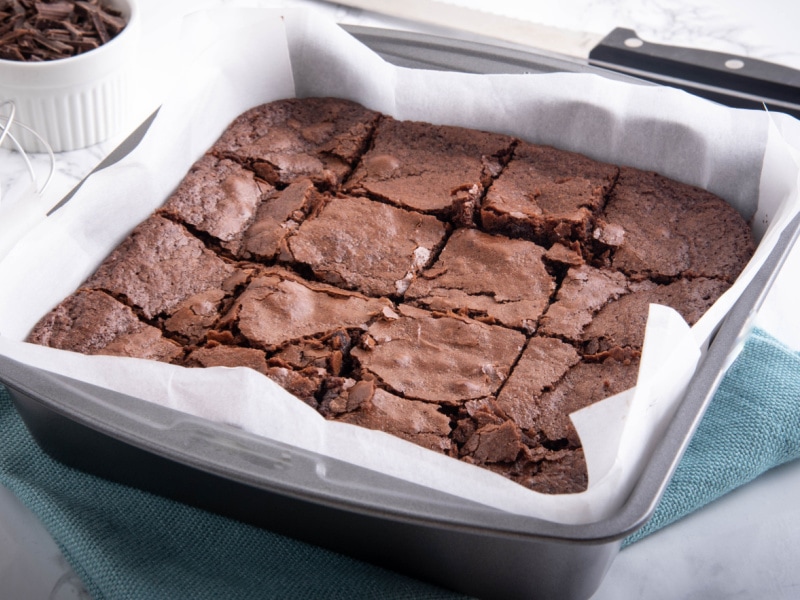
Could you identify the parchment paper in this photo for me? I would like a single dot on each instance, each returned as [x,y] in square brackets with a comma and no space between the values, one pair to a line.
[237,58]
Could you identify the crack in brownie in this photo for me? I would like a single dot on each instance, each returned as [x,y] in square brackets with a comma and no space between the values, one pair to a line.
[462,290]
[318,138]
[433,169]
[369,246]
[490,277]
[548,195]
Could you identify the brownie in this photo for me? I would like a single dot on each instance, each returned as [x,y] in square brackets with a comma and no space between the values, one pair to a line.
[305,383]
[548,195]
[542,364]
[488,277]
[446,360]
[440,170]
[417,421]
[318,138]
[277,217]
[621,324]
[555,464]
[192,320]
[670,229]
[368,246]
[462,290]
[584,290]
[217,197]
[278,307]
[219,355]
[158,266]
[92,322]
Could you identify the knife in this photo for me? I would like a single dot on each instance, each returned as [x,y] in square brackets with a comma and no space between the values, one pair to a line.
[29,211]
[725,78]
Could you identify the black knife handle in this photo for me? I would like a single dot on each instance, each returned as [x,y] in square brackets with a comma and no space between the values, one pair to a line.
[731,79]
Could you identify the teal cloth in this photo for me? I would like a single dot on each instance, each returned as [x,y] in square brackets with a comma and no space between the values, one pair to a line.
[125,543]
[751,425]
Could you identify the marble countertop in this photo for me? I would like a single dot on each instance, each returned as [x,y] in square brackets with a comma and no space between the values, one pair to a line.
[743,546]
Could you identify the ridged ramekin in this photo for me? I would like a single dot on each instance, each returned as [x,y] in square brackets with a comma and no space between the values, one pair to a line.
[77,101]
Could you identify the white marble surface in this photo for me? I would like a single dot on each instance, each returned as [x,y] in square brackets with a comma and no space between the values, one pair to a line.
[744,546]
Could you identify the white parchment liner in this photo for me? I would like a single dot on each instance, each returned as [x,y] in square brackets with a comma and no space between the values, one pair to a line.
[238,58]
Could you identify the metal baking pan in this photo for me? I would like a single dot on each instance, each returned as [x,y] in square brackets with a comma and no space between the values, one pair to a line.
[449,541]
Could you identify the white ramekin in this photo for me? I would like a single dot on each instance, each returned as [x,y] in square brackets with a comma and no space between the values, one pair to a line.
[77,101]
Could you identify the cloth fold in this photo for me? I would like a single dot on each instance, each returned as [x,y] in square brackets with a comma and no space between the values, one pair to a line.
[126,543]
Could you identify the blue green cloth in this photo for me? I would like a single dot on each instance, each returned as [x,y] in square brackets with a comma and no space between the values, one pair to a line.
[751,425]
[126,543]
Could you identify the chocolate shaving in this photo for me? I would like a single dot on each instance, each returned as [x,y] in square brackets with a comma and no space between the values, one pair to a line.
[40,30]
[55,11]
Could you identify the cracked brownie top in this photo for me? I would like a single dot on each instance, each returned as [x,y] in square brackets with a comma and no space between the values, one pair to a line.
[462,290]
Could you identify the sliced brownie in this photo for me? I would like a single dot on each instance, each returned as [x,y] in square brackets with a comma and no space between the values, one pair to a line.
[670,229]
[217,197]
[439,170]
[278,308]
[277,217]
[547,195]
[621,323]
[158,266]
[487,277]
[583,291]
[445,360]
[366,405]
[368,246]
[92,322]
[318,138]
[542,365]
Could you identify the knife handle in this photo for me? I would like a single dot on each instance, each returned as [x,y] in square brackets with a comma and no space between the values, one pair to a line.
[730,79]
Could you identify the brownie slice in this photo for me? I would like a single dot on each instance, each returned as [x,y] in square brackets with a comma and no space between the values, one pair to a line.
[299,333]
[191,320]
[278,308]
[445,360]
[368,246]
[621,323]
[219,355]
[551,461]
[671,229]
[277,217]
[434,169]
[364,404]
[487,277]
[547,195]
[318,138]
[305,384]
[92,322]
[217,197]
[543,363]
[583,291]
[584,384]
[158,266]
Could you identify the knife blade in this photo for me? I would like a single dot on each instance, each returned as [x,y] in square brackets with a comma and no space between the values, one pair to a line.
[122,150]
[729,79]
[29,211]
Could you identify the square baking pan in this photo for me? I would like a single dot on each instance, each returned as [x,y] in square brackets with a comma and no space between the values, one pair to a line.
[450,541]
